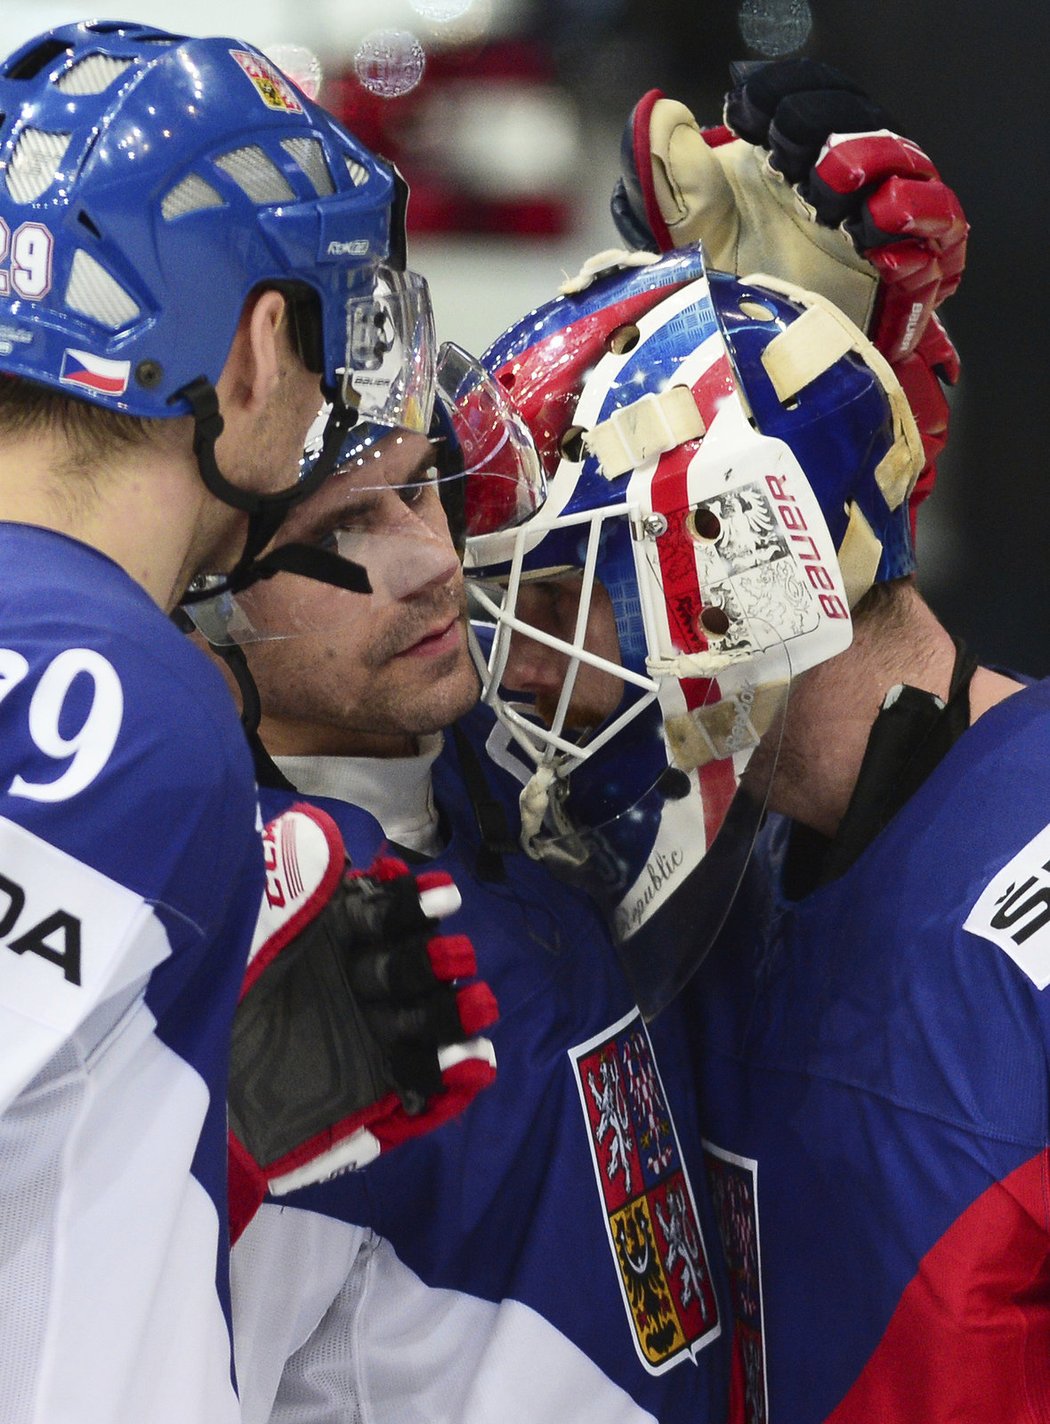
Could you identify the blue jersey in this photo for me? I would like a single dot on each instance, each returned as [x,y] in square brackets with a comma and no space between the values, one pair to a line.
[130,880]
[547,1256]
[874,1087]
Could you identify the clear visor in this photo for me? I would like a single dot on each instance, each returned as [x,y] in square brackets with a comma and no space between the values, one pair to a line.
[388,376]
[505,483]
[394,506]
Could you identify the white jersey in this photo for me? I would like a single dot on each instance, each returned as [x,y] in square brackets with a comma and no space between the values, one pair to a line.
[129,883]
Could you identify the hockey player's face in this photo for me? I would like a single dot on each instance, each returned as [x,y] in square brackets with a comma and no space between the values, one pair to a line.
[551,605]
[367,674]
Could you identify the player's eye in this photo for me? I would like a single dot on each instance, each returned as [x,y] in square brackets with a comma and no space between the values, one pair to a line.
[417,489]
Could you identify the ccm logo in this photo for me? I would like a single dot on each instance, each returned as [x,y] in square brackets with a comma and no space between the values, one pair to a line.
[794,522]
[56,938]
[275,893]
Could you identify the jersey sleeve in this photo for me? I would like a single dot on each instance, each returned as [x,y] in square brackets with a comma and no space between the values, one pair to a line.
[130,878]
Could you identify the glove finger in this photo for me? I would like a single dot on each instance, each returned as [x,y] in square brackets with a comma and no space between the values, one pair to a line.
[460,1084]
[853,159]
[928,211]
[906,264]
[452,957]
[477,1007]
[376,911]
[445,1015]
[758,90]
[802,123]
[411,967]
[438,895]
[417,1024]
[384,867]
[416,1072]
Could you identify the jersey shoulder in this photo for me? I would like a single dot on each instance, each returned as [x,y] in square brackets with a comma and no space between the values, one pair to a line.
[120,743]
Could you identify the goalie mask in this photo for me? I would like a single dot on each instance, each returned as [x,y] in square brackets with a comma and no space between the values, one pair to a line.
[728,468]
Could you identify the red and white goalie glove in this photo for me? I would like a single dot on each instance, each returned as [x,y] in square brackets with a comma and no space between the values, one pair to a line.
[354,1030]
[807,182]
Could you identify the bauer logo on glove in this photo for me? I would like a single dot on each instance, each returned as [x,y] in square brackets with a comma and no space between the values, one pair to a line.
[354,1030]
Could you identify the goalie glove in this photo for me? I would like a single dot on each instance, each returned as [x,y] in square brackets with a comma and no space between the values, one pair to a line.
[353,1031]
[806,182]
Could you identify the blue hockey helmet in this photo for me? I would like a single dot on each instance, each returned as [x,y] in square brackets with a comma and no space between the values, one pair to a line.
[149,183]
[729,462]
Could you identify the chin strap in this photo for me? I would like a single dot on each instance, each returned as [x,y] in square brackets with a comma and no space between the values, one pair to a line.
[267,772]
[912,733]
[266,512]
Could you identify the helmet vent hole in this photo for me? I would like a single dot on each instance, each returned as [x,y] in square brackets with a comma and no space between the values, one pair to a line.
[256,175]
[704,525]
[358,172]
[189,196]
[571,444]
[132,31]
[35,163]
[86,222]
[309,156]
[757,311]
[30,65]
[623,339]
[95,294]
[92,75]
[714,621]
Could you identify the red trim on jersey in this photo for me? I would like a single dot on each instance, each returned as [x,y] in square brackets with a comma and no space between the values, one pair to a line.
[970,1337]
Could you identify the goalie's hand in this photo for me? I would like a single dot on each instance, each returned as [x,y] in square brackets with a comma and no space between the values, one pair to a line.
[835,145]
[354,1030]
[807,182]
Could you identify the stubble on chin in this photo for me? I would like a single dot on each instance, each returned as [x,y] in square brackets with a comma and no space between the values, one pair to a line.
[416,623]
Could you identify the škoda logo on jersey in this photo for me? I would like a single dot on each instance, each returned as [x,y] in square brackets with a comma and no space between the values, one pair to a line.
[650,1212]
[1014,910]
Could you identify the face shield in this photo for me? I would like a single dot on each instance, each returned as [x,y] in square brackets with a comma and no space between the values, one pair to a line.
[386,508]
[389,373]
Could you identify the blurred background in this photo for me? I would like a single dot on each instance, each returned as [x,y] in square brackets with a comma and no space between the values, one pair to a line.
[506,115]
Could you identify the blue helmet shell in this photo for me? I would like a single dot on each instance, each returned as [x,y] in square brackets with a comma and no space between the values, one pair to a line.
[148,183]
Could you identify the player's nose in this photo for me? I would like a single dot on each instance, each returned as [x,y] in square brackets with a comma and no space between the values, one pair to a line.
[532,667]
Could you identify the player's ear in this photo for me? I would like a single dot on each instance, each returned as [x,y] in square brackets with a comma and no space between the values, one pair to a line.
[253,366]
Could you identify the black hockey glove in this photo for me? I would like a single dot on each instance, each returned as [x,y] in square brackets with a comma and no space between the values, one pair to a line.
[353,1031]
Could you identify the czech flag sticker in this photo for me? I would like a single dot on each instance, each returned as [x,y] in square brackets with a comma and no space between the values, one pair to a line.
[81,368]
